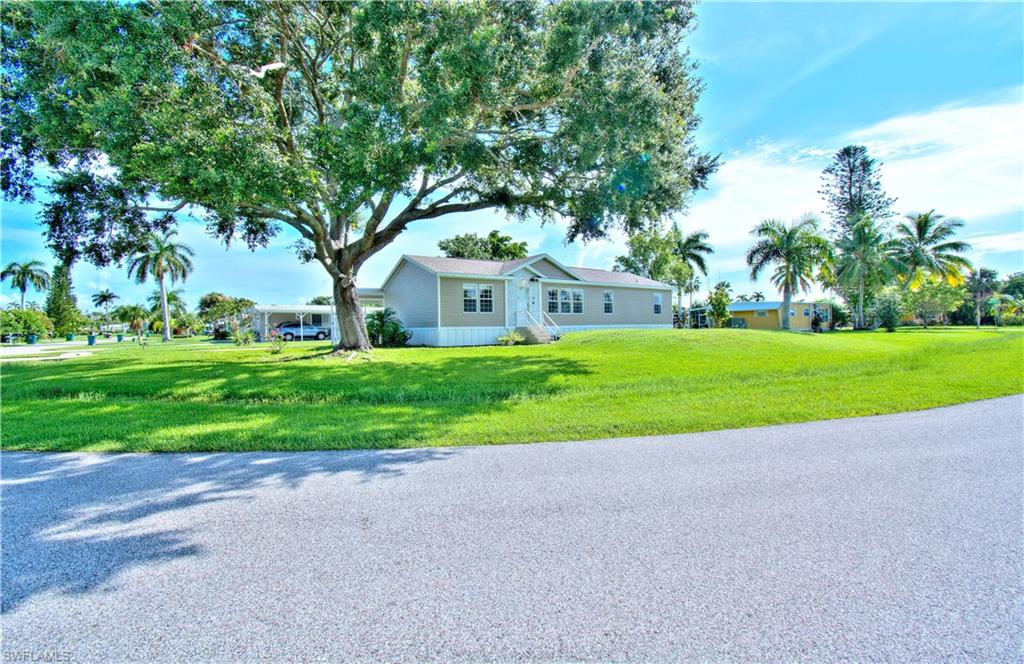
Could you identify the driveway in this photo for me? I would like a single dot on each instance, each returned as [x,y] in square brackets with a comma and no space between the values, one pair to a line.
[885,538]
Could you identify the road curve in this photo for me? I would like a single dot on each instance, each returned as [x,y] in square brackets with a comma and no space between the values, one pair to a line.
[896,537]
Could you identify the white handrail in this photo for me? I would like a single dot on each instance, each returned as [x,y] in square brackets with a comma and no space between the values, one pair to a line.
[551,322]
[536,325]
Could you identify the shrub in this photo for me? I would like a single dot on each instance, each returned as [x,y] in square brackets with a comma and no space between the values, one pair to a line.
[511,339]
[243,337]
[888,308]
[276,342]
[25,322]
[385,329]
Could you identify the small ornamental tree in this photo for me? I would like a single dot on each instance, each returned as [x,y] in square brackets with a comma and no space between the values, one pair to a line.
[718,304]
[61,305]
[888,308]
[933,299]
[346,121]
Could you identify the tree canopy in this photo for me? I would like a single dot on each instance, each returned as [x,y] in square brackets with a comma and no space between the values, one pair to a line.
[346,121]
[852,187]
[495,247]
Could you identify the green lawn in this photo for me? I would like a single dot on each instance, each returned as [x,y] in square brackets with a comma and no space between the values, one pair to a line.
[196,395]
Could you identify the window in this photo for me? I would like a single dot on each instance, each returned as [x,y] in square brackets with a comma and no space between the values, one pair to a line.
[477,298]
[761,314]
[552,300]
[486,298]
[823,312]
[807,312]
[570,301]
[316,320]
[609,302]
[469,298]
[792,312]
[657,303]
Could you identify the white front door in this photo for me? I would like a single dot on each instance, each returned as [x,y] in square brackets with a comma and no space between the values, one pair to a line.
[522,304]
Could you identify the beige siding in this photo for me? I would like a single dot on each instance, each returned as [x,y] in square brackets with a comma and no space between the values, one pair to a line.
[549,269]
[633,306]
[412,293]
[451,304]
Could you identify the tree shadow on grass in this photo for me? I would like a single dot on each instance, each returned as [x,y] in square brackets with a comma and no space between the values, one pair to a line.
[72,523]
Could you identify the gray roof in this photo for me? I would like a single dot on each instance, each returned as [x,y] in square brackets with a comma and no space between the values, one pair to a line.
[499,268]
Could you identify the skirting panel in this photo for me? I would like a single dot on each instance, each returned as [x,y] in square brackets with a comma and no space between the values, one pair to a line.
[488,336]
[581,328]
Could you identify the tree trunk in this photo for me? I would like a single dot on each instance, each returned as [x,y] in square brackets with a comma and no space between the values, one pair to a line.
[787,301]
[163,309]
[860,307]
[977,314]
[351,323]
[23,297]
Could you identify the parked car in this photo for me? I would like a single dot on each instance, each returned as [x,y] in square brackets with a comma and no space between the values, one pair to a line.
[292,331]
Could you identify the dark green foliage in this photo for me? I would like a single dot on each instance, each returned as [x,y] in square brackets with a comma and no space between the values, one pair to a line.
[385,329]
[320,115]
[718,303]
[888,308]
[495,247]
[852,187]
[1013,285]
[322,300]
[61,305]
[24,322]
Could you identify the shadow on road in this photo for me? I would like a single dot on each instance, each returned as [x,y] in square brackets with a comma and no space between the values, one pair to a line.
[71,523]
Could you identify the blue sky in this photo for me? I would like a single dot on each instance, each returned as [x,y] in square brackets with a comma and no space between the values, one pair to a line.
[935,90]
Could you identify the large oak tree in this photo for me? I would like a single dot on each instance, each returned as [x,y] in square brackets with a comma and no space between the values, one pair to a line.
[345,121]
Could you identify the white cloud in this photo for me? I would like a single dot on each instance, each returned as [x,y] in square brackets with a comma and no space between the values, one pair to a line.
[963,160]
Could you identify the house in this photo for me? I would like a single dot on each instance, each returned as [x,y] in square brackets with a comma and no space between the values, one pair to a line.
[266,317]
[464,302]
[768,315]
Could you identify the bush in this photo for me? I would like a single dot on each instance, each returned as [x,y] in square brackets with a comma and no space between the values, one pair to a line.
[243,337]
[276,342]
[511,339]
[888,308]
[1013,319]
[25,322]
[385,329]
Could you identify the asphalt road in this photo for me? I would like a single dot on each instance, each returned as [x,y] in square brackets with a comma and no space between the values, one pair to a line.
[889,538]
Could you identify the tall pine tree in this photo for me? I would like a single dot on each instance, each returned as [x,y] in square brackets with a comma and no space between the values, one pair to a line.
[852,187]
[61,306]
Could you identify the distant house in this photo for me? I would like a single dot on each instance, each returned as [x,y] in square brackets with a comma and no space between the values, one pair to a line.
[266,317]
[463,302]
[768,315]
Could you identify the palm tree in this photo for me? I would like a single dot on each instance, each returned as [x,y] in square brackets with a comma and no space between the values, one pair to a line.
[691,286]
[981,283]
[104,299]
[867,257]
[135,315]
[795,249]
[691,249]
[175,303]
[23,275]
[926,248]
[758,296]
[162,258]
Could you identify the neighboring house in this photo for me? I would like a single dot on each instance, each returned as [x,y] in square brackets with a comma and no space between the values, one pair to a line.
[768,315]
[266,317]
[463,302]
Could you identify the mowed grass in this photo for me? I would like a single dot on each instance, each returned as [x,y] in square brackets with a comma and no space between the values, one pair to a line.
[199,396]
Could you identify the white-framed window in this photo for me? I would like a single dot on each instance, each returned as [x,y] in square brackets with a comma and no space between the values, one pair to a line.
[477,298]
[609,302]
[807,312]
[761,314]
[570,301]
[657,304]
[486,298]
[552,300]
[823,312]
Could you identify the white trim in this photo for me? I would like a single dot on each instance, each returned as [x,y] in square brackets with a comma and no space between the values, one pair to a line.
[604,309]
[540,257]
[657,305]
[463,275]
[437,296]
[605,284]
[478,288]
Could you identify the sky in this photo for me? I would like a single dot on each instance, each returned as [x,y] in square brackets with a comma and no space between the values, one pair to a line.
[934,90]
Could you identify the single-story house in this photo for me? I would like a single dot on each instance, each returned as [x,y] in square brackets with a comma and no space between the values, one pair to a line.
[768,315]
[464,302]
